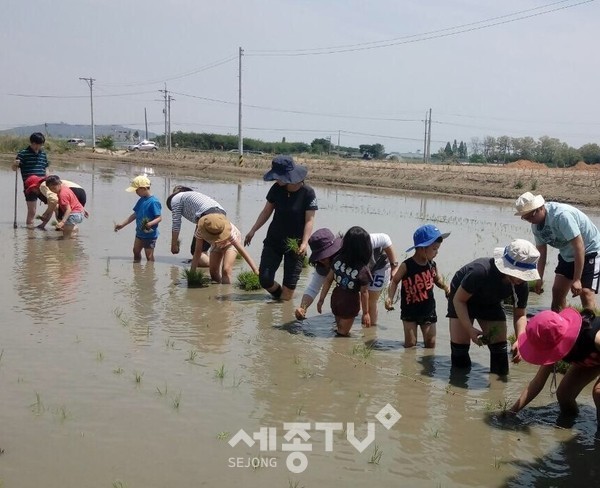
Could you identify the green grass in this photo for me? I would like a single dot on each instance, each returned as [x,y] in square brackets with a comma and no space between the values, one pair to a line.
[292,245]
[248,281]
[221,372]
[195,279]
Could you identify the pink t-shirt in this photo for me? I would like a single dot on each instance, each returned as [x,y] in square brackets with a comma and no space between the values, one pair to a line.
[67,197]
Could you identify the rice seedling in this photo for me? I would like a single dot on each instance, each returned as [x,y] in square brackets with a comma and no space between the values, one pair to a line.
[362,350]
[295,484]
[138,377]
[144,225]
[488,338]
[236,382]
[162,392]
[99,356]
[306,372]
[299,410]
[77,339]
[296,359]
[435,433]
[248,281]
[292,245]
[223,436]
[118,370]
[376,456]
[196,278]
[511,339]
[238,257]
[37,407]
[107,269]
[119,484]
[305,262]
[170,343]
[561,367]
[192,355]
[63,413]
[221,372]
[176,402]
[497,462]
[1,354]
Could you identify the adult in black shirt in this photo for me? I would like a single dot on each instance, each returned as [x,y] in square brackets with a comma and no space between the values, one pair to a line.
[294,204]
[477,291]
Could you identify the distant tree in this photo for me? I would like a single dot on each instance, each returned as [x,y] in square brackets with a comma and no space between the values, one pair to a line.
[448,150]
[590,153]
[462,150]
[503,147]
[489,149]
[136,135]
[455,148]
[475,146]
[283,140]
[319,146]
[476,159]
[374,150]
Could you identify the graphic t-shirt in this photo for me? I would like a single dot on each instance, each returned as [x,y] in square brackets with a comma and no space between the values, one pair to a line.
[564,223]
[146,209]
[348,278]
[289,216]
[416,293]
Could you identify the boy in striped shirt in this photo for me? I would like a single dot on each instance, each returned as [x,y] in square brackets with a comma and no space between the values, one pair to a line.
[32,161]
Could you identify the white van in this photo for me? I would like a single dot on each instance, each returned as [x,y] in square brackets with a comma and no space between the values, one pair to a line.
[76,142]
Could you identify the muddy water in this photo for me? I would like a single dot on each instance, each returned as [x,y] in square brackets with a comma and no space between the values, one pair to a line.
[116,374]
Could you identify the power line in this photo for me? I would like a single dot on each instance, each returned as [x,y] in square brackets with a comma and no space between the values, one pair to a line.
[425,36]
[206,67]
[25,95]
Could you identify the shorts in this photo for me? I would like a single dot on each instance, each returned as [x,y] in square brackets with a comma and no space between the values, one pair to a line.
[421,320]
[206,245]
[381,277]
[30,197]
[345,303]
[270,259]
[74,219]
[147,243]
[590,274]
[483,311]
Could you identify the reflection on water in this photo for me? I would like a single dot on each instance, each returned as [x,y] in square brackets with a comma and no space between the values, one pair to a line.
[105,318]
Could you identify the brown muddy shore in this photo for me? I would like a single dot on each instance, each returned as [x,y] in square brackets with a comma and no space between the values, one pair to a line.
[578,185]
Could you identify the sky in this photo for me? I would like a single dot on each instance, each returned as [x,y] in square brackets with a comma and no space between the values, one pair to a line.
[361,72]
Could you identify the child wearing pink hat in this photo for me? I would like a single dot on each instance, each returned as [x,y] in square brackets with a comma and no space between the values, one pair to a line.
[569,336]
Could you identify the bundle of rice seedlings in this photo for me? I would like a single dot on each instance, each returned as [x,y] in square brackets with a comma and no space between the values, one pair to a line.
[195,279]
[248,281]
[292,245]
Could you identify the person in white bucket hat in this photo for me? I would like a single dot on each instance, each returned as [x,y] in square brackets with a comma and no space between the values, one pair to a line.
[477,291]
[577,239]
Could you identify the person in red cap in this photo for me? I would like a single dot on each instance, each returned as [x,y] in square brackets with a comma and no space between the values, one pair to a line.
[569,336]
[38,186]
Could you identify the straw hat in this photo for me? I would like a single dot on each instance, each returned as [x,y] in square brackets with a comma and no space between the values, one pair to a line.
[214,227]
[518,259]
[549,336]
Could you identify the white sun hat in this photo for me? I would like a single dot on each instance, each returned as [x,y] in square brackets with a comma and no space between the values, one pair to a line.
[518,259]
[528,202]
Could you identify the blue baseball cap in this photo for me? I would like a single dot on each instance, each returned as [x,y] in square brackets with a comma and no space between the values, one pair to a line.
[426,235]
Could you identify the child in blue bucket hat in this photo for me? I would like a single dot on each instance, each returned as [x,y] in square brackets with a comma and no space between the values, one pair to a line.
[292,204]
[418,275]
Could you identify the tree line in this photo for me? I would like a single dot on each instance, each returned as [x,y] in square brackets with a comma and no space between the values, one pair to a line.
[220,142]
[505,149]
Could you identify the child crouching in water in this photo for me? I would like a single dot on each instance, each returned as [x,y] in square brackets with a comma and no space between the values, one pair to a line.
[351,273]
[71,209]
[146,214]
[418,275]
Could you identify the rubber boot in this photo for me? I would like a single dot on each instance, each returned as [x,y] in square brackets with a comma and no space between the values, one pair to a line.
[499,358]
[460,355]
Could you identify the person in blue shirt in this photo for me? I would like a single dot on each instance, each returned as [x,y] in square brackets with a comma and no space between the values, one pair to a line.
[577,239]
[32,161]
[147,215]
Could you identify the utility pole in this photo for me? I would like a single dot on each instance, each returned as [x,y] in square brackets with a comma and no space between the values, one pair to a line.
[339,132]
[90,82]
[146,122]
[429,139]
[240,136]
[164,92]
[425,141]
[170,99]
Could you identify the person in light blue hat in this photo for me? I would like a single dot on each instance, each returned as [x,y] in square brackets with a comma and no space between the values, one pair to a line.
[418,275]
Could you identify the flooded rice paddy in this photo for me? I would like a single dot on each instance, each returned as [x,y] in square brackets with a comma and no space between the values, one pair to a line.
[115,374]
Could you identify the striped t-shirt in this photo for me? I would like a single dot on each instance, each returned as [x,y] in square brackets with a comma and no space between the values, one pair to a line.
[32,163]
[190,205]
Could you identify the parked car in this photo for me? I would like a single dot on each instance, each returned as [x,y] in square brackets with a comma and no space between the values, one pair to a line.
[76,142]
[143,146]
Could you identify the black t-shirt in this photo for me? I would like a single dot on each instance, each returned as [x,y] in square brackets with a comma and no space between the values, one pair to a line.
[482,279]
[290,211]
[584,351]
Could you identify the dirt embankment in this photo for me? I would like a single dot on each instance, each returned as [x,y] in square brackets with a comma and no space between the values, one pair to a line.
[577,185]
